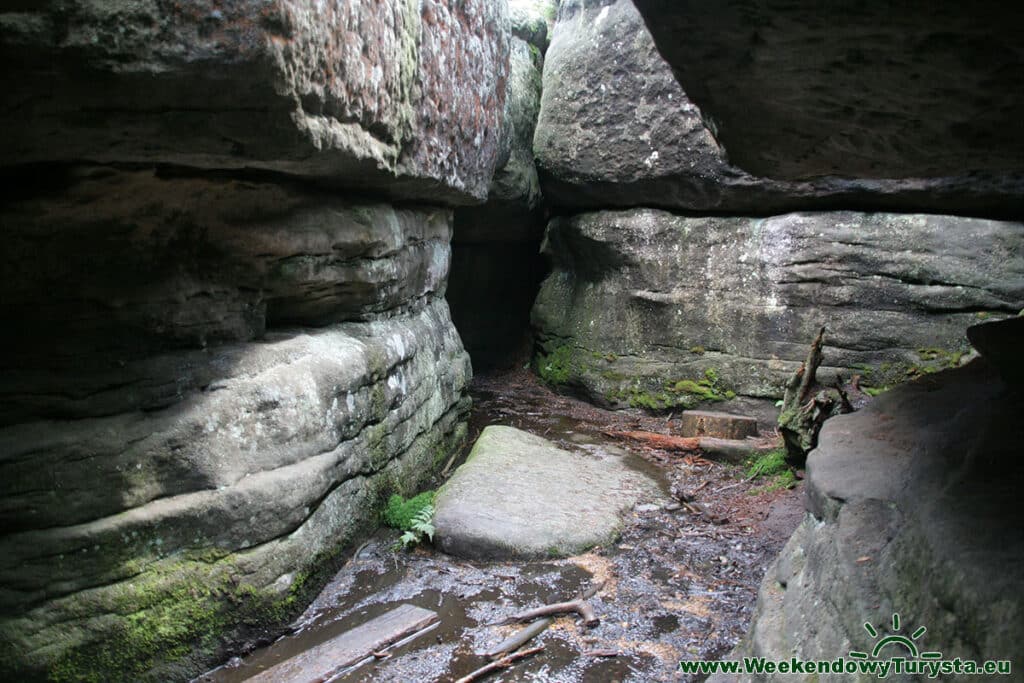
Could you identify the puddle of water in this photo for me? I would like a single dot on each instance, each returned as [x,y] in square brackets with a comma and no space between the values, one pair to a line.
[668,594]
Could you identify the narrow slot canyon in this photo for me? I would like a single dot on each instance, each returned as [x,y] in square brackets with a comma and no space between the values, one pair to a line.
[511,340]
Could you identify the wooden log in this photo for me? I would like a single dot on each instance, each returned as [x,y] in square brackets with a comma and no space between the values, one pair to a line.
[810,367]
[662,441]
[348,649]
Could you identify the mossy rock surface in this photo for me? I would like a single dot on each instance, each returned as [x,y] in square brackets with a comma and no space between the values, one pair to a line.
[520,496]
[648,309]
[904,517]
[159,589]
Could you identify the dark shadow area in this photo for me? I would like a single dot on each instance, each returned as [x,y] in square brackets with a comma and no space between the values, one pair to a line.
[495,274]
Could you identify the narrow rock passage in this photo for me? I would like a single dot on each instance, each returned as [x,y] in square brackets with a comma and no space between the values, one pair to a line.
[676,585]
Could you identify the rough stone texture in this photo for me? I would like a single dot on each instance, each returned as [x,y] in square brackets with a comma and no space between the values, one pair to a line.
[515,180]
[108,268]
[519,495]
[512,212]
[496,266]
[616,129]
[211,382]
[403,96]
[248,479]
[800,89]
[532,20]
[656,310]
[913,508]
[716,425]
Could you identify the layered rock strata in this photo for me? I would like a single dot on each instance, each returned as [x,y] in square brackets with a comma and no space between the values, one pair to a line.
[912,509]
[617,129]
[403,97]
[496,266]
[215,381]
[651,309]
[227,345]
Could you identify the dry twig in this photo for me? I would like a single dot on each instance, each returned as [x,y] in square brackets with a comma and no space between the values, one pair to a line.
[502,663]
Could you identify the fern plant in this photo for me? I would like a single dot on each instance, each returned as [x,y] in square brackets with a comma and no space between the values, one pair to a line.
[421,525]
[413,517]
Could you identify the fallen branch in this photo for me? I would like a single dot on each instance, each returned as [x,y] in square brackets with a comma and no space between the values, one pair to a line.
[503,663]
[591,591]
[731,486]
[580,607]
[520,638]
[360,549]
[448,465]
[662,441]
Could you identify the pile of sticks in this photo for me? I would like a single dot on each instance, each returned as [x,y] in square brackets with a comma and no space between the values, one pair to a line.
[507,652]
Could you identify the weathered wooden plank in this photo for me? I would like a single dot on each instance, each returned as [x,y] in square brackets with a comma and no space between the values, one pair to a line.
[327,659]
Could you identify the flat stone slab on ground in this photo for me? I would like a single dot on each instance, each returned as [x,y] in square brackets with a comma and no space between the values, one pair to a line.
[519,495]
[717,425]
[735,451]
[351,647]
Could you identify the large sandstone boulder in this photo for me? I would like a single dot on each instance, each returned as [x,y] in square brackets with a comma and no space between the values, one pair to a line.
[657,310]
[135,542]
[617,129]
[532,20]
[913,509]
[520,495]
[212,383]
[802,89]
[117,267]
[401,96]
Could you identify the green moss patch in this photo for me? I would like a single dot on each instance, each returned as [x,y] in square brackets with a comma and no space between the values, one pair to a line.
[885,376]
[769,464]
[399,513]
[559,366]
[773,469]
[179,609]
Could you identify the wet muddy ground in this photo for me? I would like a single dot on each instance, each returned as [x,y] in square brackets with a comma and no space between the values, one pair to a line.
[680,583]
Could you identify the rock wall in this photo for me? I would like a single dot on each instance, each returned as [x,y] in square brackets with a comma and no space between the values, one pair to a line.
[226,344]
[616,129]
[403,96]
[801,89]
[685,275]
[913,509]
[496,263]
[716,296]
[650,309]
